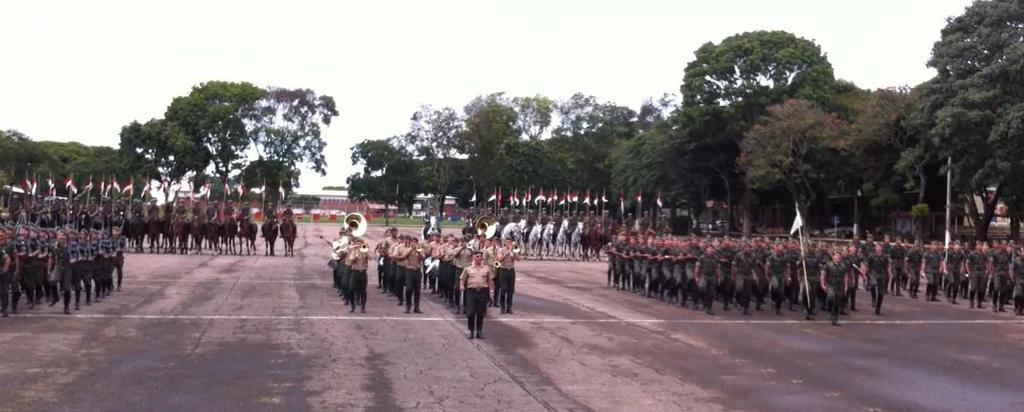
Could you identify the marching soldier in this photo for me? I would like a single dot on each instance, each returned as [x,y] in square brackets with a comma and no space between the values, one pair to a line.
[835,281]
[931,270]
[707,270]
[977,275]
[913,269]
[1002,258]
[59,263]
[775,270]
[879,270]
[413,259]
[743,268]
[477,280]
[1018,283]
[120,244]
[462,259]
[954,266]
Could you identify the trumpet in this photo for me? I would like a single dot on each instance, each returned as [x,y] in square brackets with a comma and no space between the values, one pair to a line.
[363,248]
[496,264]
[515,249]
[419,249]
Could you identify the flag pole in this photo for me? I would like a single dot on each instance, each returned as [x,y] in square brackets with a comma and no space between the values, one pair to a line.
[803,259]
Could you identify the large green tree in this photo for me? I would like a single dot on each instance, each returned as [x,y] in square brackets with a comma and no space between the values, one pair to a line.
[390,174]
[975,104]
[729,85]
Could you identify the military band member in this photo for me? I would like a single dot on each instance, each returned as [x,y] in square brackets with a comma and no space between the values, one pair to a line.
[476,279]
[357,261]
[462,259]
[413,259]
[506,275]
[382,248]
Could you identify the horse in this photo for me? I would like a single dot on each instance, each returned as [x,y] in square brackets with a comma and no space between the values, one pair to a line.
[563,238]
[288,233]
[154,228]
[182,229]
[592,241]
[197,230]
[137,231]
[212,235]
[229,232]
[576,242]
[167,228]
[548,240]
[269,231]
[247,234]
[533,243]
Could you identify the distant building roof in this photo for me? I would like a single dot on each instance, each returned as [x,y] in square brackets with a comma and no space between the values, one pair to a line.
[328,194]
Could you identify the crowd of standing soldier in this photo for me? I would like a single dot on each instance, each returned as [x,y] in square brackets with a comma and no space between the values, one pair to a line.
[46,264]
[466,273]
[695,272]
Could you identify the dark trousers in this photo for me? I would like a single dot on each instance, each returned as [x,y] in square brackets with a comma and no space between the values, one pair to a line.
[413,280]
[977,293]
[5,291]
[397,280]
[878,288]
[119,268]
[507,287]
[357,288]
[476,308]
[344,280]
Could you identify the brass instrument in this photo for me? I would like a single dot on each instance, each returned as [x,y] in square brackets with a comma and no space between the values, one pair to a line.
[356,224]
[363,248]
[515,249]
[419,249]
[497,264]
[486,226]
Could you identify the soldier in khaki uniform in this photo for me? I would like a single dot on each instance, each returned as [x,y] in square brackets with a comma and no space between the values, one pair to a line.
[477,280]
[358,261]
[463,258]
[506,275]
[413,275]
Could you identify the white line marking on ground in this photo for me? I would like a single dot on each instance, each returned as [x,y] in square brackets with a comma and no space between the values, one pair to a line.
[527,320]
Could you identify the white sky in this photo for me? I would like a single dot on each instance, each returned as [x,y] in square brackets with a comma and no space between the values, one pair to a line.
[79,70]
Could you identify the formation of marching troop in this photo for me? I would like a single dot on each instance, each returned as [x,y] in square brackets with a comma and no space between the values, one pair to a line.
[695,272]
[467,273]
[45,264]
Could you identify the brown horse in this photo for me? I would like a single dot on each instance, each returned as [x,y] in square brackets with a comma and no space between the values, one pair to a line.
[213,230]
[167,228]
[154,228]
[288,233]
[197,230]
[247,235]
[269,232]
[181,231]
[228,233]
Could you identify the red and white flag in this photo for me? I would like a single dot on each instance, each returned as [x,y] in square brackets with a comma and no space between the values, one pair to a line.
[540,197]
[52,187]
[586,200]
[69,184]
[129,187]
[639,197]
[115,184]
[241,189]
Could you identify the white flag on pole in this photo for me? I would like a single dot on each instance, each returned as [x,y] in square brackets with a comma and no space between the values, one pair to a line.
[797,222]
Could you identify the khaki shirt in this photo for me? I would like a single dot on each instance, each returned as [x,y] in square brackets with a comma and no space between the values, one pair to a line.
[414,259]
[476,277]
[357,260]
[337,246]
[385,245]
[507,259]
[393,250]
[463,257]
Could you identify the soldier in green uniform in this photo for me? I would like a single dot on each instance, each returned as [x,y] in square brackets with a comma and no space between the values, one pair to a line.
[59,263]
[879,270]
[897,256]
[834,281]
[854,260]
[954,266]
[743,268]
[912,269]
[977,275]
[809,286]
[775,270]
[1018,283]
[707,270]
[1002,257]
[931,267]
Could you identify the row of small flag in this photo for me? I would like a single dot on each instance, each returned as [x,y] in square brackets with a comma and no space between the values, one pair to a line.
[553,197]
[31,186]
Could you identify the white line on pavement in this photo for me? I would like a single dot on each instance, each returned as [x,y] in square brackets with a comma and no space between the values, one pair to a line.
[526,320]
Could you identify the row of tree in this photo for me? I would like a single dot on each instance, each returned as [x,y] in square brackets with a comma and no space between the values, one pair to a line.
[762,121]
[226,133]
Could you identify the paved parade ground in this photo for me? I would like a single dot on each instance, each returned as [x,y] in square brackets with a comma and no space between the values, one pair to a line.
[226,333]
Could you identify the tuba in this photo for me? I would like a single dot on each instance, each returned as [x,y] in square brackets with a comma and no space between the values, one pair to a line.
[356,224]
[486,226]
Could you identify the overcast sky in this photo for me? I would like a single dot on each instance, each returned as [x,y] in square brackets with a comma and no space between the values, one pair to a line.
[79,70]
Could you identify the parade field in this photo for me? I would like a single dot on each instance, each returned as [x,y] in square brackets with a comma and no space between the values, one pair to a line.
[231,333]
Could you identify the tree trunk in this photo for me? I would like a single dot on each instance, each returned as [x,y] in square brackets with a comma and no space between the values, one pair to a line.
[1014,228]
[981,230]
[746,204]
[922,184]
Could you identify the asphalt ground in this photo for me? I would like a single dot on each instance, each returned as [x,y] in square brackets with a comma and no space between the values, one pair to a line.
[227,333]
